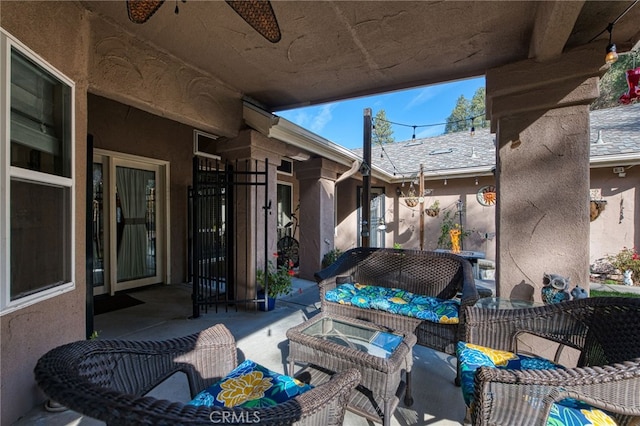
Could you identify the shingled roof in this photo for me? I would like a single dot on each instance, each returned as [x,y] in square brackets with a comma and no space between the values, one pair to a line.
[619,130]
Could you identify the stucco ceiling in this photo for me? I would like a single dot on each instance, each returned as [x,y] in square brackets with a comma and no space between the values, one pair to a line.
[333,50]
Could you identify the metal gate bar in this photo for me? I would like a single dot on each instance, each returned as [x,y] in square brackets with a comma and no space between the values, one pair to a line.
[217,257]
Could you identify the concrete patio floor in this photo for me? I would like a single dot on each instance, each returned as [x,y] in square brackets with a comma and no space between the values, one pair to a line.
[260,336]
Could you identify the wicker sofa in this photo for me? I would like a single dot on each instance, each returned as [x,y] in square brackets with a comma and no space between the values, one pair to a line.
[604,331]
[427,273]
[107,380]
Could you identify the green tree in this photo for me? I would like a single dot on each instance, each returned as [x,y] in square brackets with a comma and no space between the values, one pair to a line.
[468,112]
[478,109]
[382,131]
[614,82]
[458,120]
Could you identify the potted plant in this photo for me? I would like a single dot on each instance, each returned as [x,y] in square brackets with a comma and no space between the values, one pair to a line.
[448,224]
[434,209]
[277,280]
[330,257]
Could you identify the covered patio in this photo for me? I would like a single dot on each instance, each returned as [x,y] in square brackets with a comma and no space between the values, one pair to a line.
[261,337]
[144,89]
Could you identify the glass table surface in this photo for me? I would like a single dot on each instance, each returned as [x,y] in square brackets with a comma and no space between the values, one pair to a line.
[365,339]
[504,303]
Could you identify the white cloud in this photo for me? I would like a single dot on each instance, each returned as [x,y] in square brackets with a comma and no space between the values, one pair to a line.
[299,117]
[322,118]
[423,95]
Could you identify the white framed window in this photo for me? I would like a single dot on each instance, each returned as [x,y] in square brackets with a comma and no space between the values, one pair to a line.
[37,186]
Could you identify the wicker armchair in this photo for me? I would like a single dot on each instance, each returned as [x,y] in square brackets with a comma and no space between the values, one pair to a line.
[605,331]
[107,380]
[428,273]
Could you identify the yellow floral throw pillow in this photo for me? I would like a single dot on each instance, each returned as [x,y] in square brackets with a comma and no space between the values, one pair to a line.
[568,412]
[250,385]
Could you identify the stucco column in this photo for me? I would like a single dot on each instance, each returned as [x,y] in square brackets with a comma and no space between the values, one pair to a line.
[540,112]
[249,205]
[317,189]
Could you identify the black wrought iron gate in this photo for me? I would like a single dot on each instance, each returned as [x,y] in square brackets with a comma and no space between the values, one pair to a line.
[226,202]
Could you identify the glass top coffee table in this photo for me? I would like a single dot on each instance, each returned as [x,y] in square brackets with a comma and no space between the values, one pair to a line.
[328,343]
[505,303]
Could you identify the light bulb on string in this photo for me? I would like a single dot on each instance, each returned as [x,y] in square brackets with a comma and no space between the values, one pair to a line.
[612,54]
[473,129]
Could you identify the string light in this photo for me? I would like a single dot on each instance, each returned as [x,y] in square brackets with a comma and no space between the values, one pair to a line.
[612,55]
[417,126]
[383,152]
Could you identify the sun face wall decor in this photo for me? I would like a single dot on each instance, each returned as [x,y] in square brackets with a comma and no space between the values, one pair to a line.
[486,195]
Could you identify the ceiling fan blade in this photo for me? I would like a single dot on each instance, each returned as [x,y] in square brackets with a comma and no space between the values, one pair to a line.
[141,10]
[259,14]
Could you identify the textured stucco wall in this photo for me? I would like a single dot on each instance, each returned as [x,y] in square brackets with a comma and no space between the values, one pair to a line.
[125,69]
[121,128]
[62,40]
[403,222]
[618,225]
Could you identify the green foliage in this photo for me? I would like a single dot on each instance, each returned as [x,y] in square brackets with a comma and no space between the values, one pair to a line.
[330,257]
[597,293]
[397,245]
[627,259]
[449,223]
[280,281]
[460,117]
[94,335]
[478,109]
[382,131]
[614,83]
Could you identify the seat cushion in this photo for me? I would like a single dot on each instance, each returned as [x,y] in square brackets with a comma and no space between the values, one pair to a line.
[250,385]
[567,412]
[570,412]
[396,301]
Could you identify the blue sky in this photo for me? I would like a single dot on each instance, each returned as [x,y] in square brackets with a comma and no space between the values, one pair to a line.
[342,122]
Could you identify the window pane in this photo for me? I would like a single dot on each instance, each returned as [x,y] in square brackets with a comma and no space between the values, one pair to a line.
[40,119]
[40,237]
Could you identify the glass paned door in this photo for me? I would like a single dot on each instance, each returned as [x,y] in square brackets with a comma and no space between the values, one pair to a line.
[98,228]
[135,223]
[127,224]
[377,228]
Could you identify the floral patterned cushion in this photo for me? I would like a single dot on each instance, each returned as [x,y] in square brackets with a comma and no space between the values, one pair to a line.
[567,412]
[250,385]
[396,301]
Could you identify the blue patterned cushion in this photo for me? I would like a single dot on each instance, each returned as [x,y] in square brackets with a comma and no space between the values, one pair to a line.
[396,301]
[250,385]
[570,412]
[567,412]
